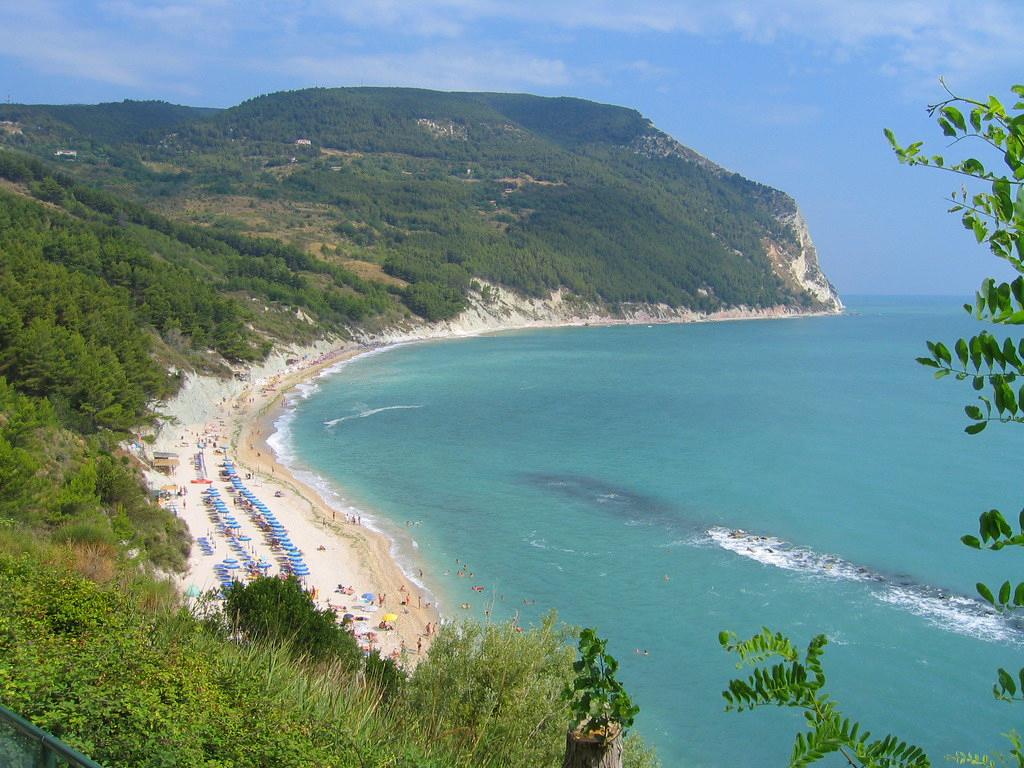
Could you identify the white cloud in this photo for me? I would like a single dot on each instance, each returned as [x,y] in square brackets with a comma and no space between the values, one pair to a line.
[490,43]
[914,36]
[444,69]
[49,41]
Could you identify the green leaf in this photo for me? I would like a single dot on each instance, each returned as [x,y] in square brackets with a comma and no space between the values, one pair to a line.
[1018,594]
[1004,593]
[1006,682]
[961,351]
[985,593]
[973,429]
[955,117]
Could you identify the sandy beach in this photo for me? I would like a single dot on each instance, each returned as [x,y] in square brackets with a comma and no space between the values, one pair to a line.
[231,421]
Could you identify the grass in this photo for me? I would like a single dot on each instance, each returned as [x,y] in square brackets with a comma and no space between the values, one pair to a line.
[119,668]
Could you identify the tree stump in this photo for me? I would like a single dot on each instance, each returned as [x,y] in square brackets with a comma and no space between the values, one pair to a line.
[593,750]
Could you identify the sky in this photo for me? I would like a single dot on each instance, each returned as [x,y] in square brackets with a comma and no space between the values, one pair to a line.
[791,93]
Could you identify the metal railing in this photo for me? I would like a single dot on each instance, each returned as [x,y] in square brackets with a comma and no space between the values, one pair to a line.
[22,745]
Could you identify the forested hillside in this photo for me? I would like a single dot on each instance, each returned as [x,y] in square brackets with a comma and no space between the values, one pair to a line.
[420,192]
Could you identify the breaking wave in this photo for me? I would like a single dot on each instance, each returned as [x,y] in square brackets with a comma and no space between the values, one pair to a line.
[947,610]
[370,412]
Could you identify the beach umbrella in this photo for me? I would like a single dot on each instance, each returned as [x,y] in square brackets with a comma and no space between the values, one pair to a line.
[369,596]
[245,538]
[264,564]
[389,617]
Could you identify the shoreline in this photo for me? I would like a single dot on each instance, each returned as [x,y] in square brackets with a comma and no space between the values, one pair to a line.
[338,551]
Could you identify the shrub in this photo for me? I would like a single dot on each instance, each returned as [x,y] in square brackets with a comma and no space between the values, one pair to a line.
[280,611]
[490,690]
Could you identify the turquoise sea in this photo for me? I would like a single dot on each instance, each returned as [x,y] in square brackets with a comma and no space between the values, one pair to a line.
[600,471]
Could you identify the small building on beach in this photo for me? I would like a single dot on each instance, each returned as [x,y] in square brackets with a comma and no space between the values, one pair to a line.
[164,461]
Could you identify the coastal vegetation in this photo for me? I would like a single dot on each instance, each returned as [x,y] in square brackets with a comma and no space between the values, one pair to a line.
[114,667]
[432,190]
[993,211]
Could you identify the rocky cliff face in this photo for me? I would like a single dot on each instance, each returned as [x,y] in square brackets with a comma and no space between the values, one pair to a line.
[797,262]
[794,259]
[491,308]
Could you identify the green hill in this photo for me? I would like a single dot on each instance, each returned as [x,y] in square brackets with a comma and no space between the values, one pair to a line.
[438,189]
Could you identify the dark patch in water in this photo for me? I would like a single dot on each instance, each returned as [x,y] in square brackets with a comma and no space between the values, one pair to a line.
[617,499]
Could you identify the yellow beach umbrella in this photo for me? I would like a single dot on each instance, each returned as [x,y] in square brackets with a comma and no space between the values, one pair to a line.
[389,617]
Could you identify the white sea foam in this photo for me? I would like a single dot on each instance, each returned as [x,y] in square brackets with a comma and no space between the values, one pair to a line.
[280,442]
[952,612]
[769,550]
[543,544]
[370,412]
[955,613]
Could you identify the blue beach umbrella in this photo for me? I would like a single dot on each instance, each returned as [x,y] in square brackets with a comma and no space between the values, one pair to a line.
[369,596]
